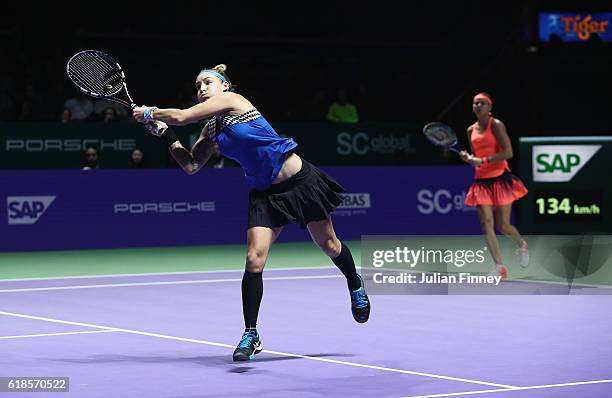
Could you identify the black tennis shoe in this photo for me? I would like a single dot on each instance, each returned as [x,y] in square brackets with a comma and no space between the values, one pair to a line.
[249,346]
[360,303]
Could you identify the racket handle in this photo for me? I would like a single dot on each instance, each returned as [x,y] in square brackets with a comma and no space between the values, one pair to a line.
[133,105]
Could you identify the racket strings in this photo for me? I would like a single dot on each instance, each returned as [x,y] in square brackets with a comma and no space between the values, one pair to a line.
[96,74]
[102,75]
[440,137]
[88,79]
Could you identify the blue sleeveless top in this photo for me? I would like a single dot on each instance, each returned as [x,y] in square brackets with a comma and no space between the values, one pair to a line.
[252,142]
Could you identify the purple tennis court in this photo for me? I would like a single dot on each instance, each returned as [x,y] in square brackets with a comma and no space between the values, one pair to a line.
[172,336]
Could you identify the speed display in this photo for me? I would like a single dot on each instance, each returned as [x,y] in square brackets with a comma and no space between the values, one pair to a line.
[567,179]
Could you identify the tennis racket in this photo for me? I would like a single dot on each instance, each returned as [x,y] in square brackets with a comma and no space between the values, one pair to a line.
[442,135]
[98,75]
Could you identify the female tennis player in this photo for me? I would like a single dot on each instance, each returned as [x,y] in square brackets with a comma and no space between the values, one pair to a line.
[284,187]
[495,188]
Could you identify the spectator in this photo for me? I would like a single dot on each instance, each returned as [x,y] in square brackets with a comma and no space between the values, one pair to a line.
[91,159]
[109,115]
[136,159]
[80,106]
[341,110]
[101,109]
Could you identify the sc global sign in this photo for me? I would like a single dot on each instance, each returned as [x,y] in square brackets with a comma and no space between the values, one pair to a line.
[23,210]
[362,143]
[560,163]
[440,201]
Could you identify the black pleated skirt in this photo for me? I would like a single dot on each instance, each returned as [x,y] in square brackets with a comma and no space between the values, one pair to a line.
[309,195]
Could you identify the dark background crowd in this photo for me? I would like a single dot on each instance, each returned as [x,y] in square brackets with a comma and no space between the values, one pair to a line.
[421,63]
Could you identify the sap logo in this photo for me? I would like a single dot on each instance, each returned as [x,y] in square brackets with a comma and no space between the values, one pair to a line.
[440,201]
[560,163]
[355,201]
[27,209]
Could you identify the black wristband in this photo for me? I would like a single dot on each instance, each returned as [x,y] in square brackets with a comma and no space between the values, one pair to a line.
[169,137]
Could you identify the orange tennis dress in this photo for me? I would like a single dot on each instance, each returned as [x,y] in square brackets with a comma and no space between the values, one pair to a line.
[494,184]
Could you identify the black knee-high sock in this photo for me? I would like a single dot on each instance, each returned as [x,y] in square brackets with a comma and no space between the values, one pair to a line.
[252,292]
[346,265]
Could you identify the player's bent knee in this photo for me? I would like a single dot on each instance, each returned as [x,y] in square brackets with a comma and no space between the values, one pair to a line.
[255,260]
[331,247]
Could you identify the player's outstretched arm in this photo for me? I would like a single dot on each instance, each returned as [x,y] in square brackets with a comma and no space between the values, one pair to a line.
[179,117]
[190,161]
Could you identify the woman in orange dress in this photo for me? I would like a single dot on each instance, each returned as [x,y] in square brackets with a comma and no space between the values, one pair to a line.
[494,188]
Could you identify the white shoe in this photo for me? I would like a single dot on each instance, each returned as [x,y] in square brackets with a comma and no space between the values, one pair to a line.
[523,252]
[499,270]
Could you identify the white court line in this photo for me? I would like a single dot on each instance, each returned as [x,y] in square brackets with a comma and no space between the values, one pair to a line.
[526,281]
[57,334]
[456,394]
[48,278]
[274,278]
[285,354]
